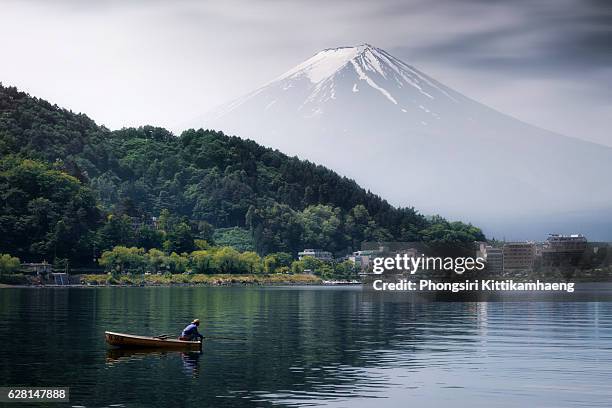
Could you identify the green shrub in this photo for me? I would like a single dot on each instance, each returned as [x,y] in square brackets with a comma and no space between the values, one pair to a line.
[9,264]
[14,279]
[94,279]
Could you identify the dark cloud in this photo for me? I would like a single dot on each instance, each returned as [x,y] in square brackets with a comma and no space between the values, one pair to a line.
[566,33]
[538,36]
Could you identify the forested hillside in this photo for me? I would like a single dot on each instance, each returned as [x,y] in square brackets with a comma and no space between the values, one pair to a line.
[196,184]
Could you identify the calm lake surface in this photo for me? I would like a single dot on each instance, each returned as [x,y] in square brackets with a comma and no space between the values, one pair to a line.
[307,346]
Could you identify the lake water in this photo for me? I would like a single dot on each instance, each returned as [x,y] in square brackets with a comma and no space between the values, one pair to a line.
[307,346]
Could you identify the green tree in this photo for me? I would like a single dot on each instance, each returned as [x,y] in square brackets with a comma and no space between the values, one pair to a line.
[9,264]
[272,263]
[44,212]
[227,260]
[147,237]
[345,270]
[165,220]
[116,231]
[179,239]
[251,262]
[442,231]
[235,237]
[155,260]
[177,263]
[205,231]
[323,228]
[203,261]
[124,260]
[308,264]
[201,244]
[274,227]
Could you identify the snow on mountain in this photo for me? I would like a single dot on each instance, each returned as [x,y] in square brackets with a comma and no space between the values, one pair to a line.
[369,66]
[416,142]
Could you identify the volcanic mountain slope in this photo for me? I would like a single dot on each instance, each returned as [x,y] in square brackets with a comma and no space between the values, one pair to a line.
[414,140]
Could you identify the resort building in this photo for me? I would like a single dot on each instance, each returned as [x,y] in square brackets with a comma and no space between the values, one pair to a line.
[564,249]
[362,259]
[40,269]
[565,243]
[494,258]
[518,256]
[317,254]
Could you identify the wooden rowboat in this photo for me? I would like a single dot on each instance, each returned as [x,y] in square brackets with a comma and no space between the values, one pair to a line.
[132,341]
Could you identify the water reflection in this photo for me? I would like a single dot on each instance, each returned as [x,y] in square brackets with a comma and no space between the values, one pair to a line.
[116,355]
[190,359]
[191,363]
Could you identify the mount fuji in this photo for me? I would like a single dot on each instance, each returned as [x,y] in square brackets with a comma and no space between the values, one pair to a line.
[417,142]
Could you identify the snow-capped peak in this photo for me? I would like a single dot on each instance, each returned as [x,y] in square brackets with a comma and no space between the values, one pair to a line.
[325,63]
[369,65]
[362,74]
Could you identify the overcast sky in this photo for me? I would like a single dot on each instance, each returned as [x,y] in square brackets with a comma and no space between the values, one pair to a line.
[129,63]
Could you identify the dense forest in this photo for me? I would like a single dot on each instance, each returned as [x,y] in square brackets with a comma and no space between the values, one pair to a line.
[70,189]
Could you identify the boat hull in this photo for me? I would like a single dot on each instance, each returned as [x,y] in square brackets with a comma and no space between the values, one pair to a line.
[132,341]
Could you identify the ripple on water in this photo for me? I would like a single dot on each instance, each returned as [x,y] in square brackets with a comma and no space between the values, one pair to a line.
[308,347]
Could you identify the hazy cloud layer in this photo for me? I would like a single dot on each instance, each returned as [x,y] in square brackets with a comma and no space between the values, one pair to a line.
[548,62]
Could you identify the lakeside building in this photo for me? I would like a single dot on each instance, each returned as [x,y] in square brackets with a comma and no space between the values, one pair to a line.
[494,257]
[564,249]
[524,256]
[566,243]
[362,259]
[41,268]
[316,253]
[518,256]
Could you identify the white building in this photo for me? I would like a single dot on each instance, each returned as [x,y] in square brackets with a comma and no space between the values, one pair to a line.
[565,243]
[362,259]
[317,254]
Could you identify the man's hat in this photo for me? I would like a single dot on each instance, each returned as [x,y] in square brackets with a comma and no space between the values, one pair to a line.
[196,321]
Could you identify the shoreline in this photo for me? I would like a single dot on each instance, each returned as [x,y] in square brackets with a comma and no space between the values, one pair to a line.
[184,285]
[187,280]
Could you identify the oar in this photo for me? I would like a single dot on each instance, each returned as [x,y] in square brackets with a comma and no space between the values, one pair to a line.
[223,338]
[165,336]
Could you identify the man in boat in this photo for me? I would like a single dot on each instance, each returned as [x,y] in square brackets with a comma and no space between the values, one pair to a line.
[190,333]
